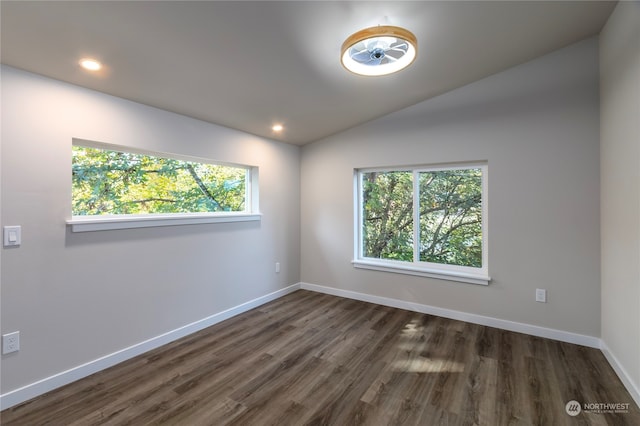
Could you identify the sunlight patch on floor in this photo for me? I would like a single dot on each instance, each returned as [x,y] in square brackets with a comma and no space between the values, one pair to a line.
[427,365]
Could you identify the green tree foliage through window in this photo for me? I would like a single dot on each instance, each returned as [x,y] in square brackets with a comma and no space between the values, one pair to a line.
[451,217]
[388,215]
[449,212]
[114,182]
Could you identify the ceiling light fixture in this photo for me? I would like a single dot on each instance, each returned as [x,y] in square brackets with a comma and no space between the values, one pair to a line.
[277,127]
[379,50]
[90,64]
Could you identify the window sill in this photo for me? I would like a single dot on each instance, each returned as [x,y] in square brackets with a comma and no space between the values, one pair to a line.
[398,268]
[110,222]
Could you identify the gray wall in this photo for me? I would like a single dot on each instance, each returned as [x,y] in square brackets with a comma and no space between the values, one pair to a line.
[537,125]
[77,297]
[620,166]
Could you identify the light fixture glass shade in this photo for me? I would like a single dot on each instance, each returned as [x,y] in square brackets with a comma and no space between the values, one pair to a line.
[379,50]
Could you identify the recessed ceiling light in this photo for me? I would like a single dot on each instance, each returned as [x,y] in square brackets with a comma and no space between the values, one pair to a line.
[90,64]
[277,127]
[379,50]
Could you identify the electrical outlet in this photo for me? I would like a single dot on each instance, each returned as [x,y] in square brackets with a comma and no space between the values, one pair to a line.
[277,267]
[10,342]
[541,295]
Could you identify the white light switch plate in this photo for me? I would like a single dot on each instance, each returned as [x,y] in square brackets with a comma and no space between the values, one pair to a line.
[12,236]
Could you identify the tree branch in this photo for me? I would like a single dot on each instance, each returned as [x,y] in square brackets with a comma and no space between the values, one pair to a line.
[163,200]
[202,186]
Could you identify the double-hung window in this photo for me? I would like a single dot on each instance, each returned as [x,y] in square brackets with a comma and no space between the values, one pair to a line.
[427,221]
[115,187]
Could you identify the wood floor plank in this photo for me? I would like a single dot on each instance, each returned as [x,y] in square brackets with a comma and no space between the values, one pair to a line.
[481,391]
[316,359]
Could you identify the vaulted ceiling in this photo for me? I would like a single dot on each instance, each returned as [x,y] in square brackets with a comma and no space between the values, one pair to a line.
[247,65]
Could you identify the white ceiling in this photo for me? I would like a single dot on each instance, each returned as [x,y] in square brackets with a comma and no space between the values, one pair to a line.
[246,65]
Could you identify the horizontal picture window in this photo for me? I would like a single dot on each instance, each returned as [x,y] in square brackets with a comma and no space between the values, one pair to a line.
[118,183]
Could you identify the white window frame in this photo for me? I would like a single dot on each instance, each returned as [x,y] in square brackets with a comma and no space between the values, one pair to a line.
[458,273]
[87,223]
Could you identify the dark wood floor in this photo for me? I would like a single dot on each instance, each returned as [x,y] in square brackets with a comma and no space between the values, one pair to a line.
[314,359]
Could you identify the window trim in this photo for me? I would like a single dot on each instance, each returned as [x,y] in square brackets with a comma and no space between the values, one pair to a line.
[88,223]
[125,221]
[458,273]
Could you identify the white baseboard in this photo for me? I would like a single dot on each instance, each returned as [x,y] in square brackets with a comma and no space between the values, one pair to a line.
[40,387]
[534,330]
[628,383]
